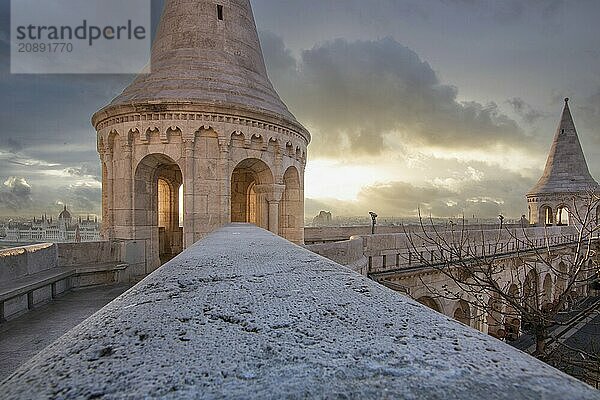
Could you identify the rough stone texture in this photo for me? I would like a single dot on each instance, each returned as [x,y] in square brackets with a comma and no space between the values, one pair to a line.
[207,118]
[244,314]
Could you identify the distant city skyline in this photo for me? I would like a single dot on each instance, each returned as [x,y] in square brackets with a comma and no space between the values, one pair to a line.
[446,105]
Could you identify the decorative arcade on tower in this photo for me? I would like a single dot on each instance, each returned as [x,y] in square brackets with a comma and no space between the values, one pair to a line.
[203,140]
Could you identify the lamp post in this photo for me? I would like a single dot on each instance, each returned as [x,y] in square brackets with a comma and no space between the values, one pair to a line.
[374,221]
[501,218]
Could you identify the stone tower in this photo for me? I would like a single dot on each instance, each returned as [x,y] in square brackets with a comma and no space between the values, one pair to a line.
[205,127]
[566,177]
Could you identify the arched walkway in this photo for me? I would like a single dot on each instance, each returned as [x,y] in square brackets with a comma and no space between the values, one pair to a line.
[430,302]
[248,192]
[157,185]
[531,290]
[495,317]
[512,318]
[462,313]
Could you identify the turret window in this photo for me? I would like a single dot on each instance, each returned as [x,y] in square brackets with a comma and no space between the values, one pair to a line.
[220,12]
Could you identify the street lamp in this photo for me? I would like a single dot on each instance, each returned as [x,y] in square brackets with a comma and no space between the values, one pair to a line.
[501,218]
[374,221]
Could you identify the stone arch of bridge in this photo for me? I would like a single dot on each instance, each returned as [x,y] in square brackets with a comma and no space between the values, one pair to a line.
[430,302]
[462,312]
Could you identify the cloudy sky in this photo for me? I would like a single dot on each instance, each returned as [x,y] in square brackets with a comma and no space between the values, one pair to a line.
[447,105]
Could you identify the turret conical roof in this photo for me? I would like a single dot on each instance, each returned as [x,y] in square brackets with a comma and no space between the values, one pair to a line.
[207,52]
[566,169]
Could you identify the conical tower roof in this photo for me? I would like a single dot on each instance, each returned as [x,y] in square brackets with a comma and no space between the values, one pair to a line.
[566,169]
[207,53]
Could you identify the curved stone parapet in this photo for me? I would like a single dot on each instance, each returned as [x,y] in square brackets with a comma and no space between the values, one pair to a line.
[246,314]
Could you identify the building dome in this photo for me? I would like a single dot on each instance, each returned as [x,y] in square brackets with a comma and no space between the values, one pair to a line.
[64,214]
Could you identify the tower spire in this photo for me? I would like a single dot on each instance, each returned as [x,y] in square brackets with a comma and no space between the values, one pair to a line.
[566,169]
[207,52]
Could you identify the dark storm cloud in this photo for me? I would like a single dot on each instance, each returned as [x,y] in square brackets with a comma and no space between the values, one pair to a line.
[358,96]
[525,111]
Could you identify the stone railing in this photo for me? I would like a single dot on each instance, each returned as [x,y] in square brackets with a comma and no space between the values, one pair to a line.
[397,251]
[245,314]
[328,234]
[401,251]
[348,252]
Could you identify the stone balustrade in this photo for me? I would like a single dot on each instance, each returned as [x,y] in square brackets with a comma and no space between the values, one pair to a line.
[397,251]
[246,314]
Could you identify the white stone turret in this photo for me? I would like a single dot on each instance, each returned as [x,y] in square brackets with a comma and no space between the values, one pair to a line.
[566,178]
[205,125]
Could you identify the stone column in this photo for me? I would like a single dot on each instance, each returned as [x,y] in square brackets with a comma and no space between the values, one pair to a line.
[128,206]
[109,206]
[188,195]
[271,195]
[225,182]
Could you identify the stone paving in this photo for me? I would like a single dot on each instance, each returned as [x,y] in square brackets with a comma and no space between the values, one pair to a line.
[25,336]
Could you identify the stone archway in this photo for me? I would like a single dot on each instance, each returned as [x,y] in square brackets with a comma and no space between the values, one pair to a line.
[462,313]
[157,184]
[430,302]
[546,215]
[251,182]
[562,215]
[512,317]
[495,317]
[291,225]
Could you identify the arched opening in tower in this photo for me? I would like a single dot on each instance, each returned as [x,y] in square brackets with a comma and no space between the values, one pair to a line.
[158,209]
[562,215]
[290,210]
[251,183]
[546,215]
